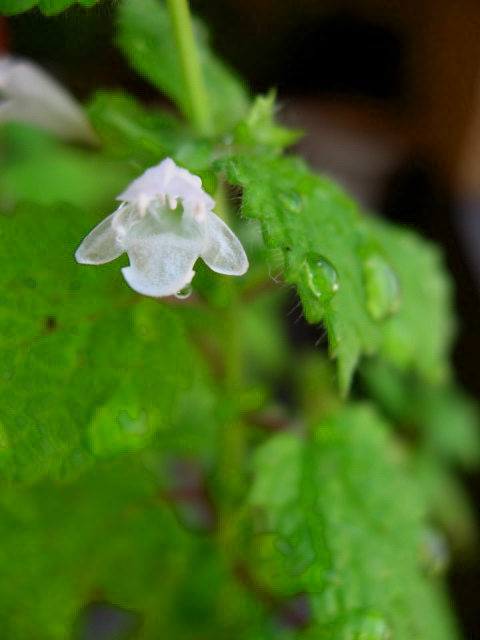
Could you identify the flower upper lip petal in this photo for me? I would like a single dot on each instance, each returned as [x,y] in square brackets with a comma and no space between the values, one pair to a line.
[169,180]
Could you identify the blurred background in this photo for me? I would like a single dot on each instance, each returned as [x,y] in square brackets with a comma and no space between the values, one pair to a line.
[388,95]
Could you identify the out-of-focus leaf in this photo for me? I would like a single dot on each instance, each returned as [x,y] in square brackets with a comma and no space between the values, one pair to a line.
[48,7]
[110,537]
[88,369]
[449,505]
[146,38]
[419,335]
[142,137]
[132,133]
[38,168]
[259,127]
[440,418]
[349,521]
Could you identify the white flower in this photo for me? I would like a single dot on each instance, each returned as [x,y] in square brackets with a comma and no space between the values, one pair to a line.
[165,222]
[32,96]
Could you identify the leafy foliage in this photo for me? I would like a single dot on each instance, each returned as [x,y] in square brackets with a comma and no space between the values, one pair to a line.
[343,267]
[77,176]
[81,357]
[419,334]
[148,458]
[110,537]
[349,522]
[443,422]
[318,229]
[259,128]
[48,7]
[445,418]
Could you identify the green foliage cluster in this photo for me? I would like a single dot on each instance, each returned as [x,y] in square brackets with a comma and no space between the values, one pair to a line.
[145,459]
[48,7]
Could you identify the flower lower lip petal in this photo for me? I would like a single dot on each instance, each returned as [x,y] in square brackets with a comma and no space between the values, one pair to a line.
[161,265]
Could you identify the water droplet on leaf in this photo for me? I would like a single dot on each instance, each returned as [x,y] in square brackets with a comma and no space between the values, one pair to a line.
[322,277]
[186,292]
[381,285]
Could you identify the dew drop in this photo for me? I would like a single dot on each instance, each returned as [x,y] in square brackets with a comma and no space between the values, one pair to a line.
[186,292]
[292,200]
[381,285]
[322,277]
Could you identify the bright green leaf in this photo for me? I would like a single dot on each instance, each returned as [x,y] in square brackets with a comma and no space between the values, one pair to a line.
[259,127]
[88,369]
[38,168]
[132,133]
[419,335]
[319,231]
[48,7]
[108,537]
[349,522]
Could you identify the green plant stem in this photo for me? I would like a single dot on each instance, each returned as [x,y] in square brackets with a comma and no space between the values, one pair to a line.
[199,111]
[230,470]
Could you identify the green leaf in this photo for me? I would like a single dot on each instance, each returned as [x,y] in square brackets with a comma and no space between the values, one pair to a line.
[10,7]
[146,38]
[259,127]
[141,137]
[449,505]
[86,365]
[112,537]
[118,543]
[348,524]
[374,286]
[319,231]
[419,335]
[48,7]
[440,418]
[38,168]
[132,133]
